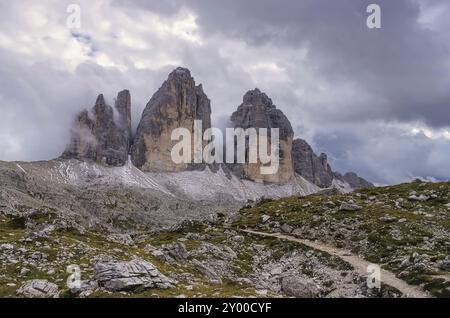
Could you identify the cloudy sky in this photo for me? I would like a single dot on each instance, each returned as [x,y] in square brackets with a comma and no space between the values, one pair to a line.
[376,101]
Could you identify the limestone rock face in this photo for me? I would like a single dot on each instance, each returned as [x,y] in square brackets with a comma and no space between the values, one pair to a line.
[310,166]
[128,276]
[317,170]
[38,288]
[258,111]
[354,180]
[177,104]
[104,134]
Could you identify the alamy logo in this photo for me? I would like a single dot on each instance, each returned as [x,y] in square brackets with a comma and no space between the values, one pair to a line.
[242,146]
[74,279]
[374,19]
[73,20]
[373,276]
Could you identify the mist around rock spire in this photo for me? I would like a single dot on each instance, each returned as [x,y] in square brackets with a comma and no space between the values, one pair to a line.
[98,136]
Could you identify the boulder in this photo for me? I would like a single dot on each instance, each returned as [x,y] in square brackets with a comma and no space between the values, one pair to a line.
[444,264]
[130,276]
[286,228]
[85,288]
[420,198]
[38,288]
[349,207]
[6,247]
[310,166]
[388,219]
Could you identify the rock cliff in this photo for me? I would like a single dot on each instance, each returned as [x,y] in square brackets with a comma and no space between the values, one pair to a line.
[310,166]
[177,104]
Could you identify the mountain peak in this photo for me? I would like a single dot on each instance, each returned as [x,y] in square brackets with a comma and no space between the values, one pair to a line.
[180,72]
[101,138]
[100,100]
[176,104]
[257,98]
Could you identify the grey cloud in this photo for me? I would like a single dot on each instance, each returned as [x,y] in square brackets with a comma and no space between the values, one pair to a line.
[40,102]
[385,65]
[386,154]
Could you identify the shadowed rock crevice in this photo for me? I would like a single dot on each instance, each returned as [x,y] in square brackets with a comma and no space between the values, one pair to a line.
[310,166]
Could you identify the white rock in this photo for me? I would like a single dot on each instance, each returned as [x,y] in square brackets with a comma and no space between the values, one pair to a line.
[126,276]
[38,288]
[300,288]
[6,247]
[262,292]
[388,219]
[207,271]
[420,198]
[24,271]
[349,207]
[276,271]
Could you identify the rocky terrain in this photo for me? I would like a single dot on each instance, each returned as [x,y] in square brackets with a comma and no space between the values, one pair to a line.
[177,104]
[404,228]
[90,193]
[104,135]
[258,111]
[116,210]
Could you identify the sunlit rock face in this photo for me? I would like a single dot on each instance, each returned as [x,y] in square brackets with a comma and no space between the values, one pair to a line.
[258,111]
[177,104]
[104,133]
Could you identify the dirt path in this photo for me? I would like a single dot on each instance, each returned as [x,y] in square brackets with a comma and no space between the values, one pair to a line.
[358,263]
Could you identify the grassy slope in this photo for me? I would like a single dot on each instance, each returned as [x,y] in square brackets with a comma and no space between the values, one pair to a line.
[362,231]
[365,232]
